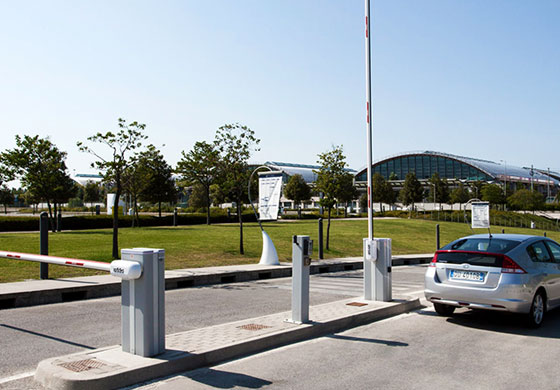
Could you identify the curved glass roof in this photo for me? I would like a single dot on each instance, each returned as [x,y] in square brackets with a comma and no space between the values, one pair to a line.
[491,169]
[306,171]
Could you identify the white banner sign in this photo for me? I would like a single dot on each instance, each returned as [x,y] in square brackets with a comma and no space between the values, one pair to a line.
[270,187]
[481,215]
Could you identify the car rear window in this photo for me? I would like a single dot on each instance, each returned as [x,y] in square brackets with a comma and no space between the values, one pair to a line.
[472,258]
[492,245]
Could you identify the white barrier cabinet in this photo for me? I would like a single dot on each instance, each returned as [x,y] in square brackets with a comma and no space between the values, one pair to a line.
[142,301]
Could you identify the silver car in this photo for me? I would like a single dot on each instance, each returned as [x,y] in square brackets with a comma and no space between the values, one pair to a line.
[504,272]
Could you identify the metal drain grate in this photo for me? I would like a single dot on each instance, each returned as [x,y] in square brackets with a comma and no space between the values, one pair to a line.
[253,327]
[358,304]
[82,365]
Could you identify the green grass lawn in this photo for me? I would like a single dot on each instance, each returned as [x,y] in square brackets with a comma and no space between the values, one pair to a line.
[204,246]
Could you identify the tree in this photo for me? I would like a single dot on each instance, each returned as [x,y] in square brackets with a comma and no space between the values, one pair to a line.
[363,202]
[411,192]
[64,189]
[198,198]
[493,194]
[92,192]
[134,182]
[476,188]
[41,168]
[235,143]
[128,138]
[381,191]
[459,195]
[298,191]
[526,200]
[160,186]
[439,192]
[6,172]
[6,197]
[347,192]
[330,175]
[199,167]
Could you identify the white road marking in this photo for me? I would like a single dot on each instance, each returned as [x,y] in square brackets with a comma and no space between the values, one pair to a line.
[16,377]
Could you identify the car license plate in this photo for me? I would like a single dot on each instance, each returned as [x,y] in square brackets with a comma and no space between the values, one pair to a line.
[467,275]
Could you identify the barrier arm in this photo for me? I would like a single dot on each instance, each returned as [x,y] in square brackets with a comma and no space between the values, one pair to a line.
[123,269]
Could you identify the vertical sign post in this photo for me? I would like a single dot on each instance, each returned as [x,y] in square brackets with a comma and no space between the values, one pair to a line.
[44,242]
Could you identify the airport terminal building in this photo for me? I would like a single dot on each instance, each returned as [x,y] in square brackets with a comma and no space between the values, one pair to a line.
[458,169]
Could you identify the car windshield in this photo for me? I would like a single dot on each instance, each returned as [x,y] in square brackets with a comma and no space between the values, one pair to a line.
[492,245]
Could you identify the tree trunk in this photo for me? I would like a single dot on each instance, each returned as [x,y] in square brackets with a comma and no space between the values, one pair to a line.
[116,225]
[207,205]
[159,208]
[346,210]
[239,216]
[328,228]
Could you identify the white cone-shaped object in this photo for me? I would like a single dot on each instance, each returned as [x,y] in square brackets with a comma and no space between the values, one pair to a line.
[269,255]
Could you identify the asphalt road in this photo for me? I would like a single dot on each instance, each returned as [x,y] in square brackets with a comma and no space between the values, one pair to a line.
[29,335]
[419,350]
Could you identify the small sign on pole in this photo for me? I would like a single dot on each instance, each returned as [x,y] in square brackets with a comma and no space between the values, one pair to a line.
[480,215]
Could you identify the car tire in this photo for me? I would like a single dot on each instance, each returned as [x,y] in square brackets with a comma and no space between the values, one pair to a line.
[444,310]
[536,314]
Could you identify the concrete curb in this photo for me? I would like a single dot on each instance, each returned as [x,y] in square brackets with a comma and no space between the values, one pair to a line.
[42,292]
[118,369]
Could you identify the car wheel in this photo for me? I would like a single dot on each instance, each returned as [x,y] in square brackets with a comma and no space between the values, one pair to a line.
[444,310]
[536,315]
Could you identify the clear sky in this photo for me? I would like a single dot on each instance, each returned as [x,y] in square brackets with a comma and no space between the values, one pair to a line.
[477,78]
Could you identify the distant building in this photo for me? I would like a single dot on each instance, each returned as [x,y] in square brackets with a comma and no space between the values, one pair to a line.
[84,178]
[460,169]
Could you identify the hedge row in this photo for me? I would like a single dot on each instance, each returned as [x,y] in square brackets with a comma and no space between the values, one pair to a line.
[14,224]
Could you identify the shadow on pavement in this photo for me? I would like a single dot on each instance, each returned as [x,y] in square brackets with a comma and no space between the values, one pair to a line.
[365,340]
[46,336]
[511,323]
[226,380]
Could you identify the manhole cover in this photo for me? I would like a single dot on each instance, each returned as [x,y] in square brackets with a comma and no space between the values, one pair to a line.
[253,327]
[82,365]
[358,304]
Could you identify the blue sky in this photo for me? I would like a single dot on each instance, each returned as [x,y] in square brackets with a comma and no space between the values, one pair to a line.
[477,78]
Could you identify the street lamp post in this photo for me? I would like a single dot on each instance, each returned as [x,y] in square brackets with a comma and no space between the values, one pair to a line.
[435,192]
[505,177]
[548,184]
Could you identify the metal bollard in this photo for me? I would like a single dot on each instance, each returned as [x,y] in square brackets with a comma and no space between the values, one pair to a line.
[143,304]
[175,217]
[321,238]
[44,242]
[302,247]
[437,237]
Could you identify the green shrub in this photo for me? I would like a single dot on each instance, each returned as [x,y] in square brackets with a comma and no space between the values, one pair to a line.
[82,222]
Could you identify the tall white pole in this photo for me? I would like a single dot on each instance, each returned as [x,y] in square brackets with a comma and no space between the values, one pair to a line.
[369,120]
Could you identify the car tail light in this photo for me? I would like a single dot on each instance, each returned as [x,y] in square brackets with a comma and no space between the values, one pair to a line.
[434,261]
[511,267]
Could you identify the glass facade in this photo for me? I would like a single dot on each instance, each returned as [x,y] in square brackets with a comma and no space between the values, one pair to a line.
[424,166]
